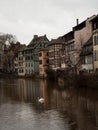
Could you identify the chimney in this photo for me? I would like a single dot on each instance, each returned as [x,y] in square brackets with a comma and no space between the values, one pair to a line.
[35,36]
[77,21]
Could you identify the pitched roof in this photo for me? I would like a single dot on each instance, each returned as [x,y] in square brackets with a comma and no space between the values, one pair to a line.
[94,19]
[80,26]
[22,48]
[68,36]
[59,40]
[37,39]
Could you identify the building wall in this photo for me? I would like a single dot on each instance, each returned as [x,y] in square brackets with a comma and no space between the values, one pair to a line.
[21,64]
[81,37]
[88,65]
[84,34]
[38,43]
[29,67]
[1,55]
[43,63]
[54,55]
[16,65]
[51,57]
[95,49]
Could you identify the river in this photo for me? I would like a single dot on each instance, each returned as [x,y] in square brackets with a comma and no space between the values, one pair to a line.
[63,108]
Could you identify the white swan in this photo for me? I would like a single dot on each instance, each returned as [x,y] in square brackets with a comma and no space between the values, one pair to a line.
[41,100]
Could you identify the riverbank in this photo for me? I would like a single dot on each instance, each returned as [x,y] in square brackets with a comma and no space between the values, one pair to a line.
[82,80]
[8,75]
[14,75]
[65,108]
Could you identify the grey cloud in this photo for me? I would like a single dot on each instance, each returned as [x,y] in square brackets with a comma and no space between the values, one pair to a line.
[54,17]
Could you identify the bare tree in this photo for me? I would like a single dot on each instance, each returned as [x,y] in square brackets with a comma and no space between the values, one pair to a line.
[73,61]
[72,57]
[7,39]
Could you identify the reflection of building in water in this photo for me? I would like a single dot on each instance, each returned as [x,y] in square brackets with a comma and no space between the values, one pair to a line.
[96,113]
[81,107]
[1,55]
[21,90]
[43,62]
[42,88]
[2,98]
[44,93]
[28,90]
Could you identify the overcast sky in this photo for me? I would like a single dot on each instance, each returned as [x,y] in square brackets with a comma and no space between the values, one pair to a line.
[25,18]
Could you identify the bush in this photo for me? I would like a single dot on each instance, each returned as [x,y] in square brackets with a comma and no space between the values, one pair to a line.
[51,74]
[87,80]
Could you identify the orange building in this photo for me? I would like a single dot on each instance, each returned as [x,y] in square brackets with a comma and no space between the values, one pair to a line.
[43,62]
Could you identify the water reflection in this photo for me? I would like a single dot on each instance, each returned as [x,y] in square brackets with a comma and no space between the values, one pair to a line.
[63,109]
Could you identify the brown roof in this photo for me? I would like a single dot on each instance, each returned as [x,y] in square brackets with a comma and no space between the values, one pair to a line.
[68,36]
[58,40]
[94,19]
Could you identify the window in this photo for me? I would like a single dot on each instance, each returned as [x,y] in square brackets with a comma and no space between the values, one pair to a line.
[96,69]
[70,47]
[47,61]
[47,54]
[41,45]
[95,25]
[31,57]
[16,64]
[83,60]
[51,47]
[96,55]
[27,57]
[40,54]
[88,59]
[19,71]
[96,40]
[51,62]
[51,54]
[31,64]
[40,62]
[19,64]
[22,71]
